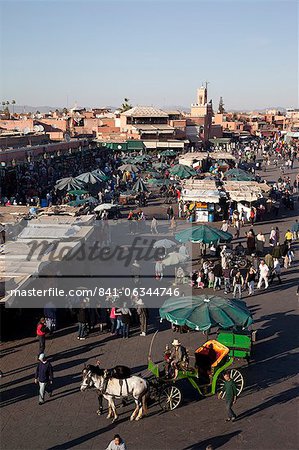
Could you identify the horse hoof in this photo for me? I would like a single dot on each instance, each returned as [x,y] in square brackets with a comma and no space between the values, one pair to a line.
[131,419]
[138,418]
[99,412]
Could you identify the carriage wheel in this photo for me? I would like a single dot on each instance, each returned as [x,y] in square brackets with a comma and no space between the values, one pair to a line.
[237,377]
[243,263]
[170,398]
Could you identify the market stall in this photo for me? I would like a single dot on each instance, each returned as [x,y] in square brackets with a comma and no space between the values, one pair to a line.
[199,199]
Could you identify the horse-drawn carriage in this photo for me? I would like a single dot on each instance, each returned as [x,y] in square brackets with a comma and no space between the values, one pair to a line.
[206,376]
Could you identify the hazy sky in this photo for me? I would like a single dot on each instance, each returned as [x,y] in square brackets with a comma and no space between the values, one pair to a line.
[154,52]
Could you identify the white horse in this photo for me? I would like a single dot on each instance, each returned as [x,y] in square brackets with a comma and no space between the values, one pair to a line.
[112,388]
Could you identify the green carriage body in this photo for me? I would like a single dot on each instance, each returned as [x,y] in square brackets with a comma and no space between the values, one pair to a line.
[239,344]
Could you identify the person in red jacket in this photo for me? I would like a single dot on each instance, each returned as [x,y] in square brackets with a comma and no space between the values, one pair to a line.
[41,334]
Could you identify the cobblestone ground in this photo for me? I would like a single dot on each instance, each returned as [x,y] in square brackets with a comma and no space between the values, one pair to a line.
[266,409]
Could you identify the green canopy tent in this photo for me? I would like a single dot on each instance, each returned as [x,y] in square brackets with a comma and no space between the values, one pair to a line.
[206,311]
[203,233]
[182,171]
[238,175]
[140,186]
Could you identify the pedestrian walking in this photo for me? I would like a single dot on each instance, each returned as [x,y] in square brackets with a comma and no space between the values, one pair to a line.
[82,322]
[117,443]
[250,280]
[50,316]
[264,274]
[143,316]
[230,390]
[260,243]
[159,269]
[126,320]
[154,223]
[44,377]
[41,334]
[276,272]
[238,282]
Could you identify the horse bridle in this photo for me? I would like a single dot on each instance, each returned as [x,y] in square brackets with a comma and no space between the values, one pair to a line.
[88,379]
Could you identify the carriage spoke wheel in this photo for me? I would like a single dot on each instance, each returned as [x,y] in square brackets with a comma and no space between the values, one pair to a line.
[237,377]
[170,398]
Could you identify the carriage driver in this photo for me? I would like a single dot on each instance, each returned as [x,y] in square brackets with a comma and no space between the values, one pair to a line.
[178,358]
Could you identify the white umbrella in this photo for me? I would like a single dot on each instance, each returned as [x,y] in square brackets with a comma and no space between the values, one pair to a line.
[173,259]
[104,206]
[166,243]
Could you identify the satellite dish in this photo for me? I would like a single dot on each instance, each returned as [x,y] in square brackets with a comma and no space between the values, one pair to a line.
[36,128]
[67,137]
[41,128]
[26,130]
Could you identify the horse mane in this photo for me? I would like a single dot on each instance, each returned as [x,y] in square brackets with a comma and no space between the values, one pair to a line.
[96,370]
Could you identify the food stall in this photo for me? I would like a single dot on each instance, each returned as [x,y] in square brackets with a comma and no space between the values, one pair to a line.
[199,199]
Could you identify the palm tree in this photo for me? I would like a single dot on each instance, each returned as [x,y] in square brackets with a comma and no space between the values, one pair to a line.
[125,105]
[13,102]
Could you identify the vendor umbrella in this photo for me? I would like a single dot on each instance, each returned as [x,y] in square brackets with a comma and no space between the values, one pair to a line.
[78,192]
[140,186]
[174,258]
[68,184]
[104,207]
[168,153]
[82,201]
[206,311]
[203,233]
[159,182]
[98,173]
[128,168]
[165,243]
[88,178]
[182,171]
[160,165]
[238,175]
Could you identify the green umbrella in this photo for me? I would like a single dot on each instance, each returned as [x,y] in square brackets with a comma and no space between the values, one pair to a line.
[206,311]
[159,182]
[68,183]
[238,175]
[82,201]
[182,171]
[78,192]
[128,168]
[88,178]
[100,175]
[168,153]
[139,186]
[203,233]
[160,165]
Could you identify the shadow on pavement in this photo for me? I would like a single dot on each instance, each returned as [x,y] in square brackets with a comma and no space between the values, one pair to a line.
[283,397]
[86,437]
[215,442]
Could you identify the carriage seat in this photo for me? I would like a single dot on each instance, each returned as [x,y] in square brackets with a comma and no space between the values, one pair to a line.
[202,354]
